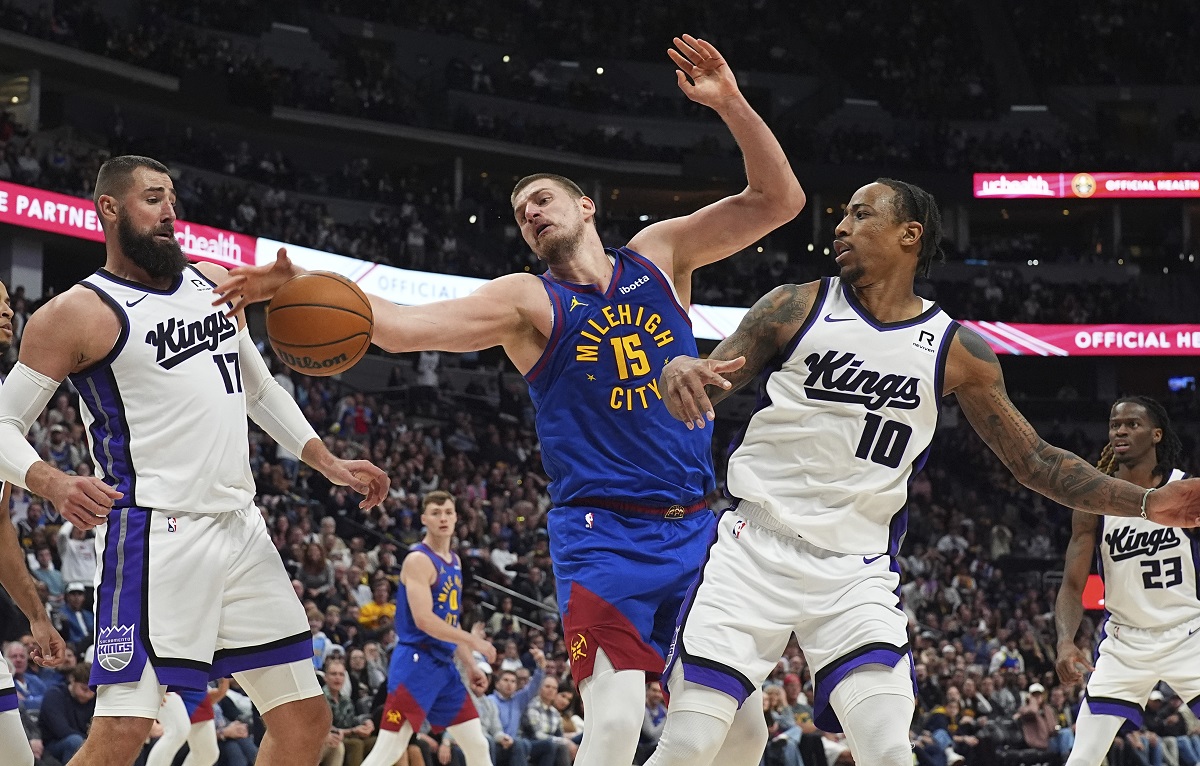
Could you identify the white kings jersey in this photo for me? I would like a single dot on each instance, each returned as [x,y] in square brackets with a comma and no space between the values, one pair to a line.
[1149,571]
[164,410]
[845,418]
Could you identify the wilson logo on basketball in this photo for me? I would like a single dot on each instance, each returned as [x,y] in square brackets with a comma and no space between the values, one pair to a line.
[308,363]
[840,377]
[176,341]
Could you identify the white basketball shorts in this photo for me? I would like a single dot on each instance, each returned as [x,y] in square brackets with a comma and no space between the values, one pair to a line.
[1131,661]
[758,587]
[197,596]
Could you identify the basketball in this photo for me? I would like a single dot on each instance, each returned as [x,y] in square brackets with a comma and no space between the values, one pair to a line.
[319,323]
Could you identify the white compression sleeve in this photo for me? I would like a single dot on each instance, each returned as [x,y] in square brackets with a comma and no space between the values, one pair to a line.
[22,398]
[268,404]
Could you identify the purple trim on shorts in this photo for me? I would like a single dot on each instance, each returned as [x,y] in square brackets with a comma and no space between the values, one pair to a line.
[291,649]
[1111,706]
[716,679]
[177,678]
[830,676]
[8,699]
[121,615]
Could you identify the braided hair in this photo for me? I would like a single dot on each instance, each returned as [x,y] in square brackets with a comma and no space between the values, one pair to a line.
[1167,451]
[912,203]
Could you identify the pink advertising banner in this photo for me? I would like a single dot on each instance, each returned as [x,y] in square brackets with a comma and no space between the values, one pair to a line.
[76,217]
[1085,185]
[1091,339]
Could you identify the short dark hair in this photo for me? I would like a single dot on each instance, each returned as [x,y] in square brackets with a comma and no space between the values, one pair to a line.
[912,203]
[115,174]
[81,673]
[571,187]
[436,497]
[504,673]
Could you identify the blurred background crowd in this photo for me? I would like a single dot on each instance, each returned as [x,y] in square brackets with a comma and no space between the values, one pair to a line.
[392,133]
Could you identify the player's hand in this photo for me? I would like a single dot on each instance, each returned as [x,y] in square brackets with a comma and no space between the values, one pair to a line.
[1176,504]
[683,385]
[252,284]
[712,82]
[365,729]
[1071,664]
[362,477]
[484,647]
[51,650]
[85,501]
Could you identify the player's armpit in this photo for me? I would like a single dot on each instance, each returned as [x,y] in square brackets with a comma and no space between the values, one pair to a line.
[766,329]
[974,376]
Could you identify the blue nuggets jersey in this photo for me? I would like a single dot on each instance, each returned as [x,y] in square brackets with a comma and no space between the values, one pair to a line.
[446,591]
[604,430]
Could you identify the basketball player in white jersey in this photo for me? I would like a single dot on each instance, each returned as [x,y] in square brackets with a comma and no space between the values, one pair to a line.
[854,368]
[189,586]
[20,586]
[1151,593]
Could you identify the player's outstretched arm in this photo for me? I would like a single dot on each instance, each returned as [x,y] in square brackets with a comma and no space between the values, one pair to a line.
[973,374]
[68,334]
[418,575]
[772,196]
[1068,607]
[692,386]
[18,582]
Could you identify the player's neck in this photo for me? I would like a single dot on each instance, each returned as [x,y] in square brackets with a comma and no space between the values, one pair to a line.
[1140,473]
[440,546]
[889,301]
[589,265]
[120,266]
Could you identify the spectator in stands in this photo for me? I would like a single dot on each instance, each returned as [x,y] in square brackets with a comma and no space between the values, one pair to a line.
[77,552]
[78,622]
[377,614]
[30,688]
[66,714]
[1038,721]
[316,574]
[654,721]
[1064,722]
[511,703]
[567,703]
[354,738]
[322,645]
[233,735]
[542,724]
[48,573]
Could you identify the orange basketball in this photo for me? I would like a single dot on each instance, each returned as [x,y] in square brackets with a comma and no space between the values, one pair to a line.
[319,323]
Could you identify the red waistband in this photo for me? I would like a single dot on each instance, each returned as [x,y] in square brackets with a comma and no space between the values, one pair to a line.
[663,511]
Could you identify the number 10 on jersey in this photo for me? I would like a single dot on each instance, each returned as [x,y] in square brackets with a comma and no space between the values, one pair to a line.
[883,441]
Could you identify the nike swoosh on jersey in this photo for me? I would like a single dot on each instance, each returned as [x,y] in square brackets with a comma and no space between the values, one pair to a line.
[829,318]
[871,559]
[131,304]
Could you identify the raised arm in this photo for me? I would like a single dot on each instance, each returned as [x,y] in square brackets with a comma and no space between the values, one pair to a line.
[772,196]
[973,374]
[692,386]
[1068,608]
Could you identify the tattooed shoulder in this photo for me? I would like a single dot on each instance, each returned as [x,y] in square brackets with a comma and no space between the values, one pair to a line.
[785,305]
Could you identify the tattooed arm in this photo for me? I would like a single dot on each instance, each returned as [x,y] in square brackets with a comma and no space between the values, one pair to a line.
[973,375]
[692,386]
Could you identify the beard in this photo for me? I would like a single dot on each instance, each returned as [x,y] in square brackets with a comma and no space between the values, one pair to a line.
[852,274]
[158,259]
[560,245]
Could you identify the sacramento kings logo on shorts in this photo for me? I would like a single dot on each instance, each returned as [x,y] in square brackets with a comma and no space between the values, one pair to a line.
[114,647]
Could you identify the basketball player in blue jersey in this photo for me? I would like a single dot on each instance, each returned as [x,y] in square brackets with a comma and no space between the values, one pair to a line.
[628,525]
[189,586]
[19,584]
[1151,590]
[423,683]
[187,716]
[854,368]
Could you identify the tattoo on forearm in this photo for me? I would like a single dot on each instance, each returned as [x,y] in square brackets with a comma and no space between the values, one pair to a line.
[1061,476]
[763,331]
